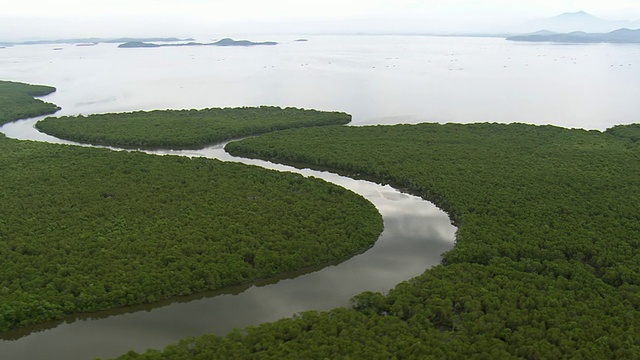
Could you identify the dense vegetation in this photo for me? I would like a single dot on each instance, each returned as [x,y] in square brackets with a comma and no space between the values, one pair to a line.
[183,128]
[630,131]
[84,229]
[17,102]
[547,261]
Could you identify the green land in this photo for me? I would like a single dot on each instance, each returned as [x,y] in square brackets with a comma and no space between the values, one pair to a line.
[183,128]
[17,102]
[85,229]
[546,263]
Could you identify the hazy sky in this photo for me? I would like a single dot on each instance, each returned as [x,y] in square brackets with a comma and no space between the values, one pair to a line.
[22,19]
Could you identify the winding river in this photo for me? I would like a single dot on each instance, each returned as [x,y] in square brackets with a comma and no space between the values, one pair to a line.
[416,233]
[378,79]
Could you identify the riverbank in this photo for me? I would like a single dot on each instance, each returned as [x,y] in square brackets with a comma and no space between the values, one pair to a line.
[399,254]
[104,229]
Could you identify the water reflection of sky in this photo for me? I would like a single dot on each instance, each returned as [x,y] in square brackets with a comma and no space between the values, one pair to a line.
[416,234]
[377,79]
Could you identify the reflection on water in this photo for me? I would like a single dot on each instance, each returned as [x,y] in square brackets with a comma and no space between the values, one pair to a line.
[416,234]
[377,79]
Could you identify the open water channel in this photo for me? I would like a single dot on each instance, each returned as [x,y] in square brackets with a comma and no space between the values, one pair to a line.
[377,79]
[416,233]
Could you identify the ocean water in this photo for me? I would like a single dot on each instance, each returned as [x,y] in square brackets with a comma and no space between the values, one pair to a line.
[377,79]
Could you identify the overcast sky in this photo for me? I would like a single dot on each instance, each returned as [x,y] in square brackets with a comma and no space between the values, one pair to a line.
[29,19]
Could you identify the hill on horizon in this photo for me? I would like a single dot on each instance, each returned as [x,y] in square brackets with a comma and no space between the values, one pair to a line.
[620,36]
[577,21]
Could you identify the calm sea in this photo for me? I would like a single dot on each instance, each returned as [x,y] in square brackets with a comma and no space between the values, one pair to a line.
[377,79]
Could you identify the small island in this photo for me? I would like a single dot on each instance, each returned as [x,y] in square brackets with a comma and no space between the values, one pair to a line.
[231,42]
[221,42]
[620,36]
[138,44]
[180,129]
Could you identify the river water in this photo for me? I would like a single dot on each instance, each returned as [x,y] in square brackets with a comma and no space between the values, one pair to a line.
[416,234]
[378,79]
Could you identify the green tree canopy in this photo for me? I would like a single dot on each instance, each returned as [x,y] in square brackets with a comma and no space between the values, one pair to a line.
[546,263]
[183,128]
[17,101]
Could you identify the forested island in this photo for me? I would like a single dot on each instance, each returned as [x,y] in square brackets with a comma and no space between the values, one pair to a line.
[546,263]
[221,42]
[17,101]
[620,36]
[183,128]
[86,229]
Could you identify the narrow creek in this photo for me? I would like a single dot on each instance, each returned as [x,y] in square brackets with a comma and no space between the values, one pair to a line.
[416,233]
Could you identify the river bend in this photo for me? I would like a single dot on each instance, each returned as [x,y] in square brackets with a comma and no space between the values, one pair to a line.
[415,235]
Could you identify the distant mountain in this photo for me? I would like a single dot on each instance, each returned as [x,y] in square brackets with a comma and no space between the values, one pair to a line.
[222,42]
[94,40]
[138,44]
[577,21]
[618,36]
[231,42]
[542,33]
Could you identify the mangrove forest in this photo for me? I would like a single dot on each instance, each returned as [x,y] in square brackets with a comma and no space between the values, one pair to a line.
[85,229]
[546,263]
[179,129]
